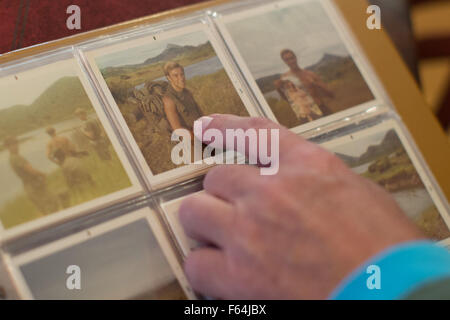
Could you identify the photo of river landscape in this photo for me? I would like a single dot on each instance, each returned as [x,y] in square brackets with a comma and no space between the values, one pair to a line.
[382,158]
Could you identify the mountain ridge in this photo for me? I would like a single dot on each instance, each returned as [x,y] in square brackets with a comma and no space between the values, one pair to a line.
[171,52]
[389,144]
[322,68]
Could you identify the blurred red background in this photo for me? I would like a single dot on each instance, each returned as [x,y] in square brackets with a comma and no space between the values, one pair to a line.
[25,23]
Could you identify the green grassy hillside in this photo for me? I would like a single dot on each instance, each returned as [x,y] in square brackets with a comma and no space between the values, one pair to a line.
[54,105]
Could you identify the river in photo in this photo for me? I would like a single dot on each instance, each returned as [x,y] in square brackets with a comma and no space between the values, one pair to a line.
[362,168]
[414,201]
[204,67]
[33,149]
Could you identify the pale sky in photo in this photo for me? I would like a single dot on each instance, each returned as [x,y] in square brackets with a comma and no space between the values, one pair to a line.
[117,264]
[29,85]
[358,146]
[137,55]
[305,29]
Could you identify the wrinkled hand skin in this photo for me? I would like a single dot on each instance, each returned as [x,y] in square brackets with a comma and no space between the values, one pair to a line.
[293,235]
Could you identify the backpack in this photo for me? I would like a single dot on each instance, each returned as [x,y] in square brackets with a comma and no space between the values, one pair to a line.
[149,99]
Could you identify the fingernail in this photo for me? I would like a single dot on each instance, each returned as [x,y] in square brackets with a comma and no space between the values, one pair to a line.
[205,121]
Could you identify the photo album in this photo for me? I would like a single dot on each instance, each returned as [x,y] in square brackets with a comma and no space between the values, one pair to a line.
[89,128]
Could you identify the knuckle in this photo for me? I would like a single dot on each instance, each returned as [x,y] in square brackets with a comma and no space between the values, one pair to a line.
[267,189]
[259,122]
[331,162]
[226,176]
[213,177]
[320,159]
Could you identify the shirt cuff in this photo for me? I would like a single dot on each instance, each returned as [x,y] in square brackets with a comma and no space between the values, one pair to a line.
[395,272]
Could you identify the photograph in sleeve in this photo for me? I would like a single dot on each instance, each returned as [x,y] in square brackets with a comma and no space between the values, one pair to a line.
[55,152]
[382,155]
[296,61]
[121,259]
[166,82]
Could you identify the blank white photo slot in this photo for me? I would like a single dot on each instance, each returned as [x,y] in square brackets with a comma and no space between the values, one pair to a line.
[125,258]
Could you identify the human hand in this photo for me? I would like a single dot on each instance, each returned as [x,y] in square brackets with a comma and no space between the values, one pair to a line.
[293,235]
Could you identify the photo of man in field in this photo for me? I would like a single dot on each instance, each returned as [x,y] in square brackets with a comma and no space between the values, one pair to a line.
[62,152]
[300,64]
[165,85]
[50,158]
[180,107]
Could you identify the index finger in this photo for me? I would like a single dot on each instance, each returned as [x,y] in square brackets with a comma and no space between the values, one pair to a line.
[259,137]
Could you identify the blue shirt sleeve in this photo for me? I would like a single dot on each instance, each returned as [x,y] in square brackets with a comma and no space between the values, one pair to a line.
[396,272]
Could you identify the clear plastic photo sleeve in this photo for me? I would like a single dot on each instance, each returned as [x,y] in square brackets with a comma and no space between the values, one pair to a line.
[8,289]
[384,154]
[129,257]
[170,212]
[59,154]
[300,60]
[160,79]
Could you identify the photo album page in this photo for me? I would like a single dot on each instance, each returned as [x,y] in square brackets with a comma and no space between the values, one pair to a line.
[89,133]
